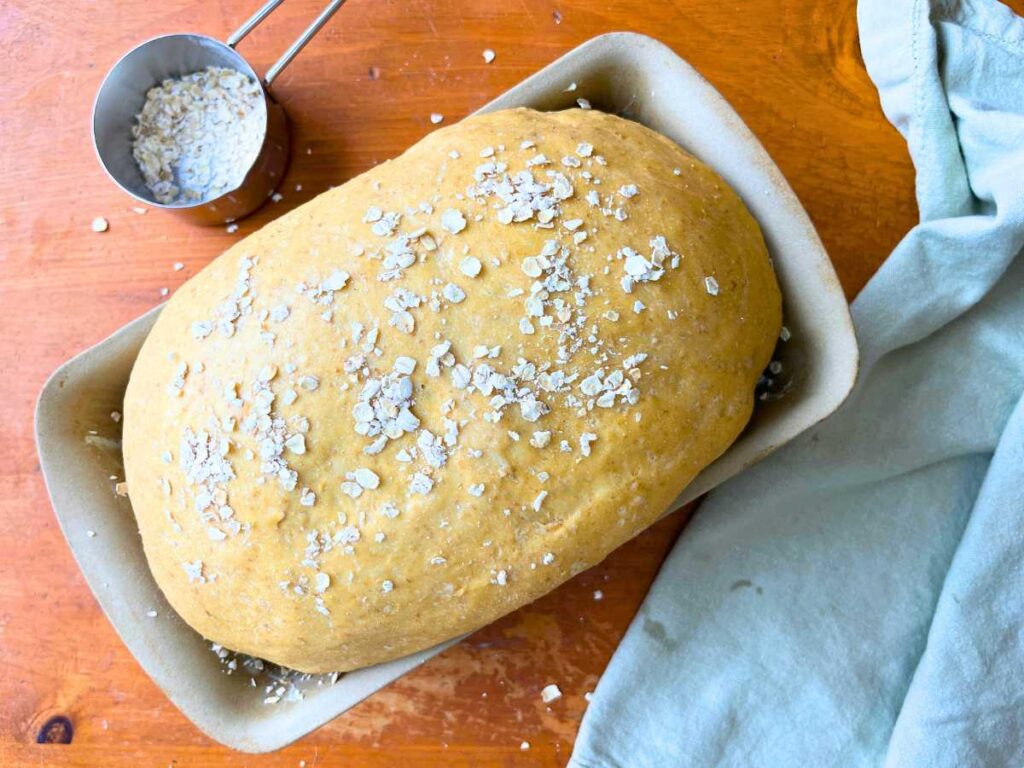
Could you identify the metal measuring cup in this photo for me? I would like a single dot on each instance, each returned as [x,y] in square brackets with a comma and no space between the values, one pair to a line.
[123,93]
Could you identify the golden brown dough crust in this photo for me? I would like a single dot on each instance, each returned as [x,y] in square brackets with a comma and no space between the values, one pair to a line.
[587,309]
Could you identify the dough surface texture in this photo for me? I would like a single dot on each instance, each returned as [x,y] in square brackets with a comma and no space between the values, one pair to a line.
[433,394]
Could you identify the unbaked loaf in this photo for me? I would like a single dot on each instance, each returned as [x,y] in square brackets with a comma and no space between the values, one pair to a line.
[436,392]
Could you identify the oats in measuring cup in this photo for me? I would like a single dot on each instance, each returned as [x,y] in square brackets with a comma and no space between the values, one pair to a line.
[197,135]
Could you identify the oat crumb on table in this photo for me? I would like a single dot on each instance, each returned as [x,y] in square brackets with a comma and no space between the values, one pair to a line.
[550,693]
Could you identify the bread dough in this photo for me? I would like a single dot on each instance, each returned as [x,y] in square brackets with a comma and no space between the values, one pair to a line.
[433,394]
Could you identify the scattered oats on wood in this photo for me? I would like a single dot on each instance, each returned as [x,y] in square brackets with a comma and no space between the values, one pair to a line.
[436,118]
[488,55]
[549,693]
[99,224]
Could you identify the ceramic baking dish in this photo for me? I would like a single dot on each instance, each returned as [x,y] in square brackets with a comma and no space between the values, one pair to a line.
[79,445]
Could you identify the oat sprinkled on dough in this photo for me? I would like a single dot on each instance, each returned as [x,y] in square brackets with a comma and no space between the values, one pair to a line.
[453,221]
[470,266]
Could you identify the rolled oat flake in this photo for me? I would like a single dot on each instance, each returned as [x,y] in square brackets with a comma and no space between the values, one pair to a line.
[198,135]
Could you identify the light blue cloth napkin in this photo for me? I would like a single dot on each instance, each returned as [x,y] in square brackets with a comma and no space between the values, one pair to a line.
[858,598]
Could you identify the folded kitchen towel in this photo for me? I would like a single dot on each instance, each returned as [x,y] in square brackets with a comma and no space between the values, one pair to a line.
[858,598]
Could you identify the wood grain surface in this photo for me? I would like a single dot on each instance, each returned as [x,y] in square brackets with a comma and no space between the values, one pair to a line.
[361,92]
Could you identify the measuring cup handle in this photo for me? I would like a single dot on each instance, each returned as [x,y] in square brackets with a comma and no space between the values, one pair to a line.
[304,38]
[253,21]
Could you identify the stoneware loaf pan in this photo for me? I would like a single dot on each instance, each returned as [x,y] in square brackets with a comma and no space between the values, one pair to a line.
[79,444]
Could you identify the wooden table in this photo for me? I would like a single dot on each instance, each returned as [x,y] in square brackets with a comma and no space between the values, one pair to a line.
[360,93]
